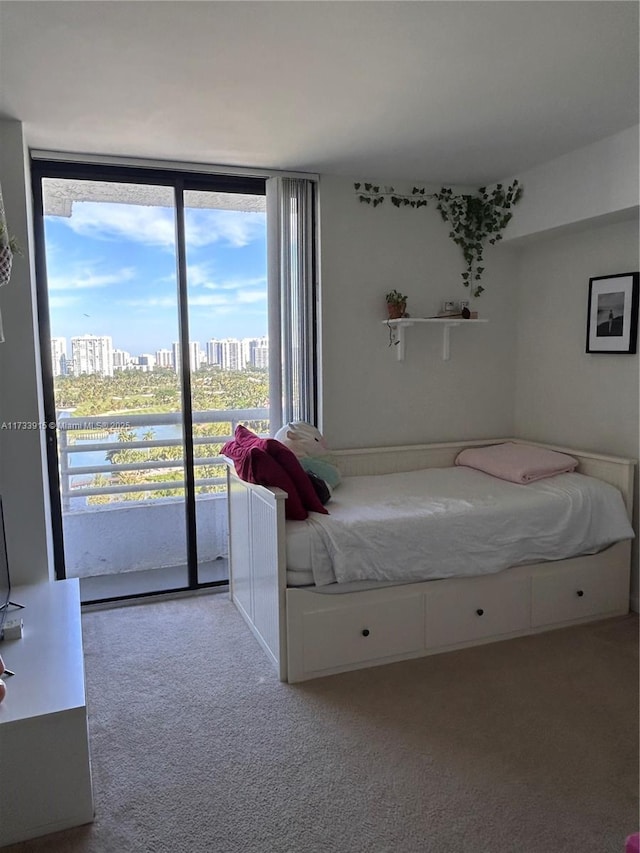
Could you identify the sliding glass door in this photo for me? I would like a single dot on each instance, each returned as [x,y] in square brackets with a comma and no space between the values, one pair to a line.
[153,320]
[225,237]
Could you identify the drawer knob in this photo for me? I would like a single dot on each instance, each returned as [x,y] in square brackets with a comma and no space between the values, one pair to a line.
[480,611]
[365,632]
[580,593]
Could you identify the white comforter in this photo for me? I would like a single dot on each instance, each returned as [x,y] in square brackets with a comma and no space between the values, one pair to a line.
[441,522]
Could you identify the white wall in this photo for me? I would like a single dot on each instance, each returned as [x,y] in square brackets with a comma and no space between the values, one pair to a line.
[564,394]
[594,184]
[590,400]
[370,398]
[22,454]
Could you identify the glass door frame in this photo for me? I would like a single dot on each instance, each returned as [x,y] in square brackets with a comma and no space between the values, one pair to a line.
[180,182]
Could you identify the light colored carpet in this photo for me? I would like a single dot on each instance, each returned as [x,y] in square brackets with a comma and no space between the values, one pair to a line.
[526,746]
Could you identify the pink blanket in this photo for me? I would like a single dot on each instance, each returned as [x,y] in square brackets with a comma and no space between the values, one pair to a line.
[518,463]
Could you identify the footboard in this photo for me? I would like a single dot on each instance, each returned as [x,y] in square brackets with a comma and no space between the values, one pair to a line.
[257,563]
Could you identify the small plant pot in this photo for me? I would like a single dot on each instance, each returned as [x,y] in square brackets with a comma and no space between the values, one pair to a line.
[396,310]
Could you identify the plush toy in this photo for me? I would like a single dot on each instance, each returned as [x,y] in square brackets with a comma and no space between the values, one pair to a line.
[308,444]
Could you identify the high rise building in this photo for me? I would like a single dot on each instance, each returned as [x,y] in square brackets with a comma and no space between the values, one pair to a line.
[164,358]
[233,354]
[194,355]
[92,354]
[214,352]
[59,356]
[121,359]
[258,352]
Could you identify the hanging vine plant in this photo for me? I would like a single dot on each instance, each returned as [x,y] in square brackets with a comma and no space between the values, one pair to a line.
[474,219]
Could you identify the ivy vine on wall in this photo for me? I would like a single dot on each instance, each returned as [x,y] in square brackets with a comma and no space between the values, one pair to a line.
[474,219]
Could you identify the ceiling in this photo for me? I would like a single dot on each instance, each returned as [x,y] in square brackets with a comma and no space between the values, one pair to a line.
[440,92]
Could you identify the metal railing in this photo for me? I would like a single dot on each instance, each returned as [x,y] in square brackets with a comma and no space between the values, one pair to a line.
[104,425]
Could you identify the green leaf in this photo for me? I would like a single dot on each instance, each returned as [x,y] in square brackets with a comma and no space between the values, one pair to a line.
[357,186]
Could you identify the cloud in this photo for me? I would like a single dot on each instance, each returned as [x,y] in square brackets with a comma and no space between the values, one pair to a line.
[248,296]
[234,293]
[87,279]
[149,225]
[210,300]
[63,301]
[199,275]
[239,284]
[202,275]
[172,301]
[155,226]
[234,227]
[151,302]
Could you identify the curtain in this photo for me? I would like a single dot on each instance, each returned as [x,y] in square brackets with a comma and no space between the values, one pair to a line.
[291,255]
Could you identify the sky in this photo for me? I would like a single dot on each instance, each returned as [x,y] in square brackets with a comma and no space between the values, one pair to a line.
[111,270]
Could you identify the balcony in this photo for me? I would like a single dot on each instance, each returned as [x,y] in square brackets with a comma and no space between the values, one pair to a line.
[129,516]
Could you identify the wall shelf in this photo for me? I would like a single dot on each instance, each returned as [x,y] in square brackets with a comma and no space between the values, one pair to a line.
[398,327]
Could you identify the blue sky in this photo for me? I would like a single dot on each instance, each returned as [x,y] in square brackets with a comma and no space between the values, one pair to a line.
[111,271]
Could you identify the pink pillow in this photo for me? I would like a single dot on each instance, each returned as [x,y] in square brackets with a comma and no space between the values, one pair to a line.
[518,463]
[254,465]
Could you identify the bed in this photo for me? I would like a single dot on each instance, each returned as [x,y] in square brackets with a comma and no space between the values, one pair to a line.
[312,624]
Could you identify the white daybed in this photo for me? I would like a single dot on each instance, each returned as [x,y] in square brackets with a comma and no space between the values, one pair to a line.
[308,633]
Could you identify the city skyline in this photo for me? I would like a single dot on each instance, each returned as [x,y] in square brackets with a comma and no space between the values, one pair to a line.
[96,354]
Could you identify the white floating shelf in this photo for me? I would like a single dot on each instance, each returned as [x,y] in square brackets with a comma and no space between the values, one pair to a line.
[400,325]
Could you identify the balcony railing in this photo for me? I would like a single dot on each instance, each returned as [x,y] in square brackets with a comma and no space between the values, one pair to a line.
[100,426]
[141,526]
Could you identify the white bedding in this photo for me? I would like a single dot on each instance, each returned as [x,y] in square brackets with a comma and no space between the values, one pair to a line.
[444,522]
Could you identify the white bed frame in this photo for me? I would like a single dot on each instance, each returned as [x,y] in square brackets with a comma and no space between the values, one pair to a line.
[308,633]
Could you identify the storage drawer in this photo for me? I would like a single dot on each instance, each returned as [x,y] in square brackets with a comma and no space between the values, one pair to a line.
[564,594]
[338,636]
[466,609]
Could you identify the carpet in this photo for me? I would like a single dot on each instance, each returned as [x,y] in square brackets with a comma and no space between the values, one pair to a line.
[529,745]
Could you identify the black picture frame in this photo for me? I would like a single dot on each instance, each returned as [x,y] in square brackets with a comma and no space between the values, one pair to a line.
[612,313]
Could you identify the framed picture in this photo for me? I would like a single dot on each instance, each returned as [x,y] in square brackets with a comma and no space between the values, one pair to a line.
[612,321]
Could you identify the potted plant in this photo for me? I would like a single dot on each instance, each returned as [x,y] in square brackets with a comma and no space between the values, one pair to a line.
[396,304]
